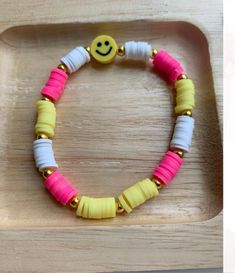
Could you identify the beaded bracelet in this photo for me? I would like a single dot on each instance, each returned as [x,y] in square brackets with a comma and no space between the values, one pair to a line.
[104,49]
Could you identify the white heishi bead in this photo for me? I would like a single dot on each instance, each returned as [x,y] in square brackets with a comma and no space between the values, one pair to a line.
[183,133]
[43,154]
[76,58]
[137,50]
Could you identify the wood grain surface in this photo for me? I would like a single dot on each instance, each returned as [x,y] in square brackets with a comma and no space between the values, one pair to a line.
[114,123]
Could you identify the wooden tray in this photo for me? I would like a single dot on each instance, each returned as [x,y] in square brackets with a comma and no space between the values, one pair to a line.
[114,124]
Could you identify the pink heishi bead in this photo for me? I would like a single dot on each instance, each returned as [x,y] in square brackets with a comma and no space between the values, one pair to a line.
[167,66]
[54,87]
[60,188]
[168,168]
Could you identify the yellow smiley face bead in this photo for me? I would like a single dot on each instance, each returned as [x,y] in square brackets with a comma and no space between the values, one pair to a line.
[103,49]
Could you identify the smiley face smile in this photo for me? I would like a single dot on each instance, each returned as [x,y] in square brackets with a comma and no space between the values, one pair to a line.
[104,54]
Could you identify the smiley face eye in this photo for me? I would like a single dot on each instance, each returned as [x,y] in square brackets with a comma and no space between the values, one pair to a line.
[99,44]
[106,43]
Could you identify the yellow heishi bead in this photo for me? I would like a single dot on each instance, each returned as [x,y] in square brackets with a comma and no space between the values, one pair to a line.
[185,92]
[46,118]
[138,194]
[103,49]
[96,208]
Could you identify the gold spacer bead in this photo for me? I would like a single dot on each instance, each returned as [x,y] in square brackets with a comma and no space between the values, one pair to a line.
[119,208]
[46,99]
[158,183]
[46,173]
[63,67]
[179,152]
[121,50]
[182,77]
[42,136]
[154,53]
[74,202]
[187,113]
[88,49]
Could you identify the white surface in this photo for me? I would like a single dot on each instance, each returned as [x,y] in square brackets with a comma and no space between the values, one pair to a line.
[209,270]
[229,136]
